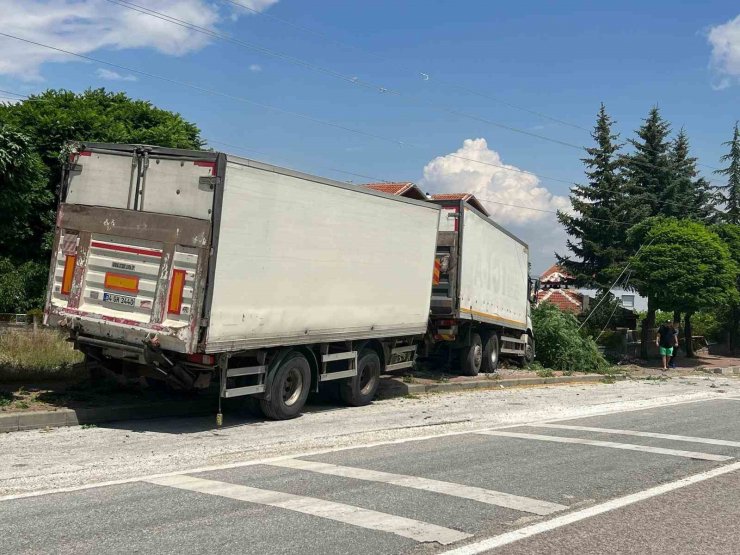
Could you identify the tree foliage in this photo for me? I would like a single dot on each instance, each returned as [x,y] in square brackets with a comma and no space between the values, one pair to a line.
[729,194]
[595,230]
[560,346]
[684,266]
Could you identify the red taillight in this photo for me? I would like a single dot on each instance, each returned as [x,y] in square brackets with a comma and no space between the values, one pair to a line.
[198,358]
[69,272]
[445,323]
[177,285]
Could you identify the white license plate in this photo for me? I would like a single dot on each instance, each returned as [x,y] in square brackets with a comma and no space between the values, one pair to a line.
[119,299]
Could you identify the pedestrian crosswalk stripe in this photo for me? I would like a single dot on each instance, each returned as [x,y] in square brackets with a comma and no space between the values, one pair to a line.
[482,495]
[348,514]
[689,439]
[612,444]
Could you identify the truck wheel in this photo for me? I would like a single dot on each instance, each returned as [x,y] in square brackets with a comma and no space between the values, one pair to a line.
[471,358]
[529,351]
[490,355]
[360,390]
[289,389]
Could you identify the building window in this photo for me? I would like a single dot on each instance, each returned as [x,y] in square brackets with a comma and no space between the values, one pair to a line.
[628,301]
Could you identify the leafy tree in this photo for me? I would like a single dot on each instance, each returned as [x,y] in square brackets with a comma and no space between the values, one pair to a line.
[560,345]
[730,194]
[95,115]
[596,230]
[683,266]
[729,314]
[24,196]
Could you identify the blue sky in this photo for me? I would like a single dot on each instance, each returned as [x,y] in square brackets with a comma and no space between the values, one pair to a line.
[560,59]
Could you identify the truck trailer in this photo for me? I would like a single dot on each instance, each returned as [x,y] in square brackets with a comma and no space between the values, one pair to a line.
[201,268]
[481,296]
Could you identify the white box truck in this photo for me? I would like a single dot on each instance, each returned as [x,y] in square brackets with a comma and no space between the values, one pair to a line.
[481,293]
[194,266]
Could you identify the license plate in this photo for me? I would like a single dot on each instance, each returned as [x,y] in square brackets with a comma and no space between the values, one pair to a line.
[119,299]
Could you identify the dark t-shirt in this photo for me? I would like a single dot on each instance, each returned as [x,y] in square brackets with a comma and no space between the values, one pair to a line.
[666,336]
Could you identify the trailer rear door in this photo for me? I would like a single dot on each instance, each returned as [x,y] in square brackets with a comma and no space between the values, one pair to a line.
[132,243]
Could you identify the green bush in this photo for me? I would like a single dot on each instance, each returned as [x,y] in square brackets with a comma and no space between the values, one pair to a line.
[560,345]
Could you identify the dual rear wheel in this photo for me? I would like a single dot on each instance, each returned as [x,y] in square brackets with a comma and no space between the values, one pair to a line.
[292,382]
[481,355]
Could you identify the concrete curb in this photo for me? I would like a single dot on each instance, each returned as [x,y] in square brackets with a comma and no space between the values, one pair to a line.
[389,388]
[726,371]
[74,417]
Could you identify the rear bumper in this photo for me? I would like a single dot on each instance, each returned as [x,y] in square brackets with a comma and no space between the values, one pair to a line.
[127,334]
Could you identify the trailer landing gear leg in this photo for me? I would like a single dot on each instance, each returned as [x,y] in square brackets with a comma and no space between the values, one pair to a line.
[221,389]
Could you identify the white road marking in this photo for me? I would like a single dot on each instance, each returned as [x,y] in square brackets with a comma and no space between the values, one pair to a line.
[356,516]
[689,439]
[482,495]
[612,444]
[651,404]
[529,531]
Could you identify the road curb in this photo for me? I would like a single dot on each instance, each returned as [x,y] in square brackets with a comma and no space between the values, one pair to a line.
[389,388]
[725,371]
[15,422]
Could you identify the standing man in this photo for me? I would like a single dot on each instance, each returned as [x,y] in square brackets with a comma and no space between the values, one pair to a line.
[664,340]
[672,362]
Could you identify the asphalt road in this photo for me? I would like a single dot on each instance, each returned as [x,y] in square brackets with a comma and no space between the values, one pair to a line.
[658,480]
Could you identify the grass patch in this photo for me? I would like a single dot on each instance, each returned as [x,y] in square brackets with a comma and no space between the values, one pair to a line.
[408,379]
[545,373]
[410,396]
[41,355]
[609,378]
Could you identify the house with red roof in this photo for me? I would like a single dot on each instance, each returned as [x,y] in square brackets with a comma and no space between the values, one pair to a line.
[401,189]
[558,287]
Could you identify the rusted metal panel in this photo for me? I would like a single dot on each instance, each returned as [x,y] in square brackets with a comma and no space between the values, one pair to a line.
[166,228]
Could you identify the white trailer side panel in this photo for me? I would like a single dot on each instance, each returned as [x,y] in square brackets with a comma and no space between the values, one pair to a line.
[493,275]
[302,260]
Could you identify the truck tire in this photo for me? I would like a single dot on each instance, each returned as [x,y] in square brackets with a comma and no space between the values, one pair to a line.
[490,355]
[289,388]
[529,351]
[360,390]
[471,358]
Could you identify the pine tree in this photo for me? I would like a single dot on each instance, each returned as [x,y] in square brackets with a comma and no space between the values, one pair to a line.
[688,195]
[595,228]
[650,178]
[650,169]
[729,194]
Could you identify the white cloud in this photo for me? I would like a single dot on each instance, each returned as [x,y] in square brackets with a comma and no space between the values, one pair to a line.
[725,60]
[255,67]
[493,180]
[114,75]
[83,26]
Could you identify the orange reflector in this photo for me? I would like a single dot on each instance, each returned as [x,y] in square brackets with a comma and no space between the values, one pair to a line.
[437,271]
[121,282]
[69,273]
[174,306]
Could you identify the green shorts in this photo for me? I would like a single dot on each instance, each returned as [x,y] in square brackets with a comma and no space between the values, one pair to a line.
[666,351]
